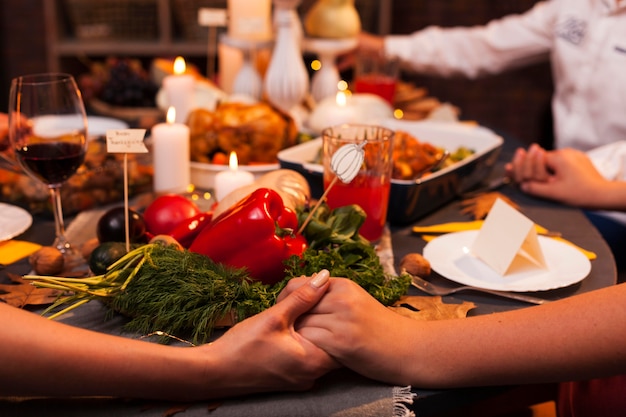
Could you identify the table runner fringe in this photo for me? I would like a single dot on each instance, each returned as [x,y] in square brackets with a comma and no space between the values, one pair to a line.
[401,397]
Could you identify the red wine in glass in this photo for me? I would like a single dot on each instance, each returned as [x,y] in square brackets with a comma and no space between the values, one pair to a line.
[48,134]
[53,162]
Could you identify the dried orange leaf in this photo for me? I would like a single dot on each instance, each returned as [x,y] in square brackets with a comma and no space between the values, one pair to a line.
[480,205]
[212,406]
[430,308]
[175,409]
[23,293]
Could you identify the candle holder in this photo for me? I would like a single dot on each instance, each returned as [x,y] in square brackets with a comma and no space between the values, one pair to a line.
[324,82]
[287,80]
[248,80]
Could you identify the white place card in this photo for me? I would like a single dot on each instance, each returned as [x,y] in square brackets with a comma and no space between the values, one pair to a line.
[508,240]
[212,17]
[126,141]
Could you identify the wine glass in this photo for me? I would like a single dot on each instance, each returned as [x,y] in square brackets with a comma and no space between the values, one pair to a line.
[48,135]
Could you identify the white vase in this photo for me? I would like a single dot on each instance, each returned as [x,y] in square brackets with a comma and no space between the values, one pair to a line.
[286,80]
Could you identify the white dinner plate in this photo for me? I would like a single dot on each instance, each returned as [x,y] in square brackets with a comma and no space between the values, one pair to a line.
[449,255]
[13,221]
[98,125]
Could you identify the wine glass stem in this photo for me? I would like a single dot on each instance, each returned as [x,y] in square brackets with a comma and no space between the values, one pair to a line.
[60,241]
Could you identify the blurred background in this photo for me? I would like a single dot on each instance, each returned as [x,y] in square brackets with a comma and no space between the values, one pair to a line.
[46,35]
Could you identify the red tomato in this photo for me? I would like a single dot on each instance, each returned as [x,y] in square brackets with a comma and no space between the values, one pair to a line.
[220,158]
[167,212]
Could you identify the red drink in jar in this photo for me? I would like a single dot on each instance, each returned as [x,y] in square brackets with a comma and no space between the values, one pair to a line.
[371,194]
[357,170]
[382,85]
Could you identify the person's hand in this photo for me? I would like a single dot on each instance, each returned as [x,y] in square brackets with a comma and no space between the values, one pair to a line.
[528,165]
[357,330]
[367,43]
[565,175]
[265,353]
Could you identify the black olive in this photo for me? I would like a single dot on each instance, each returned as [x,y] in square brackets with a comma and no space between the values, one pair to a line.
[112,226]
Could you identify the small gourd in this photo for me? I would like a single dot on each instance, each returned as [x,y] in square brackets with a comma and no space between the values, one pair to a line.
[347,160]
[332,19]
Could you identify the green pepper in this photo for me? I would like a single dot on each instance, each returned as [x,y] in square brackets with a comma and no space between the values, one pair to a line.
[258,233]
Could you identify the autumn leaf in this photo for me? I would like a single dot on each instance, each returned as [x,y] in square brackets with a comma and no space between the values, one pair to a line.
[430,308]
[177,408]
[22,293]
[480,205]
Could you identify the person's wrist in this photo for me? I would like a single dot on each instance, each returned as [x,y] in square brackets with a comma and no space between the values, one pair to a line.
[216,373]
[611,196]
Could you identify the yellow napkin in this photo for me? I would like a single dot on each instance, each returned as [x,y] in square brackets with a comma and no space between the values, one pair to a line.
[14,250]
[477,224]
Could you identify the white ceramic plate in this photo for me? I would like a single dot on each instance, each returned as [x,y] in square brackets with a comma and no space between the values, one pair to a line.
[449,255]
[98,126]
[13,221]
[57,125]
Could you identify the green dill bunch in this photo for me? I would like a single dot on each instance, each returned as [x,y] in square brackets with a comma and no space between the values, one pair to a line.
[357,261]
[181,292]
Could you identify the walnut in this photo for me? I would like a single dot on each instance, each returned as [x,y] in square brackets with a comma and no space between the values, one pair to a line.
[47,261]
[415,264]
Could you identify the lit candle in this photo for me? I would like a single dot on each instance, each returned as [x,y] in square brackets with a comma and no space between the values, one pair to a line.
[170,155]
[231,179]
[250,20]
[333,111]
[179,90]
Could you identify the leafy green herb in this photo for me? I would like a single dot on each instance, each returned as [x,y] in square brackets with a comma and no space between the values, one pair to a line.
[178,291]
[335,244]
[162,288]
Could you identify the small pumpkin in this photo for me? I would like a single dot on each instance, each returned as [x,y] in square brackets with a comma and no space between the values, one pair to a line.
[332,19]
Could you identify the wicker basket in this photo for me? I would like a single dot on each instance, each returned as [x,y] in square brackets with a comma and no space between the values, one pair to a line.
[186,17]
[113,19]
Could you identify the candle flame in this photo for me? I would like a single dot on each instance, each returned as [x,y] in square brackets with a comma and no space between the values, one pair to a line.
[341,99]
[233,162]
[171,115]
[179,65]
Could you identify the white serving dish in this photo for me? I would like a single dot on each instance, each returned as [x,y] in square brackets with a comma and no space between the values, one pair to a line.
[412,199]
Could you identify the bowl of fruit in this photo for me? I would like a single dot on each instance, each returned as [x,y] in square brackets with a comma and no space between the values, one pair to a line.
[121,88]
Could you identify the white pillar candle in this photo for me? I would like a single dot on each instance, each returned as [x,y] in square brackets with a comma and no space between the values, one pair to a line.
[170,155]
[333,111]
[250,20]
[231,179]
[180,90]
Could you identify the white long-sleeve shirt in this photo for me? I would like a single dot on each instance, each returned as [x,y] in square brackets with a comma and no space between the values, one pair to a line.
[585,41]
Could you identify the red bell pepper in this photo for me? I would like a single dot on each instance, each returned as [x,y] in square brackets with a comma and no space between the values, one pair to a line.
[258,233]
[187,230]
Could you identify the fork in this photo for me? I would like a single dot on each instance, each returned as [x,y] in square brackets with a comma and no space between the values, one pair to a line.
[433,289]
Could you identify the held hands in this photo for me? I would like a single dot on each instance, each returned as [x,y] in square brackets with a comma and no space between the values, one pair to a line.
[265,352]
[565,175]
[358,331]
